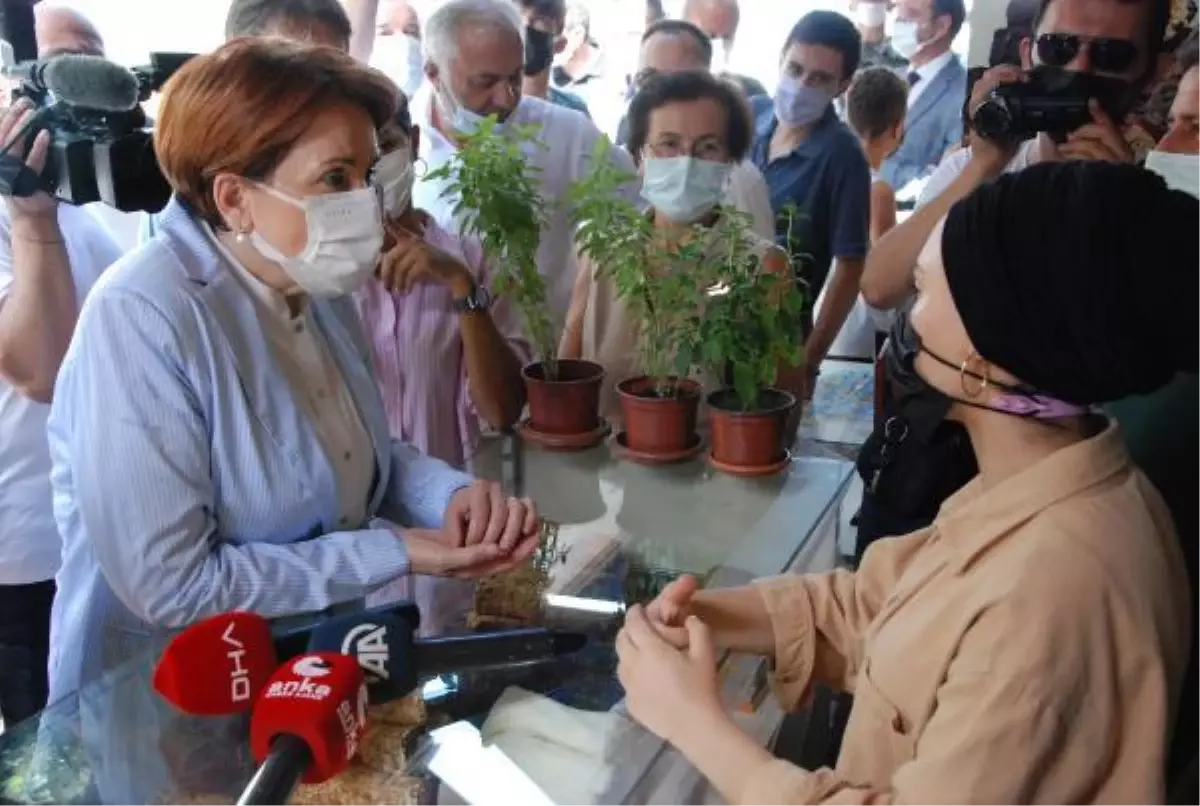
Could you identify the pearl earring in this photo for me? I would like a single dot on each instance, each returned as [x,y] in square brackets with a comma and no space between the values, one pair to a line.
[240,237]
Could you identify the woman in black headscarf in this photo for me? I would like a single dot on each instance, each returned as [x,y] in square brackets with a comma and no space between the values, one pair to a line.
[1030,645]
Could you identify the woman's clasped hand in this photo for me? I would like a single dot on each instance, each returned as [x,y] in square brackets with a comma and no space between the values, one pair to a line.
[485,532]
[667,664]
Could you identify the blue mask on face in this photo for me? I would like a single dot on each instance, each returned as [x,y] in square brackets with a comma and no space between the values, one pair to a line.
[798,105]
[684,188]
[462,120]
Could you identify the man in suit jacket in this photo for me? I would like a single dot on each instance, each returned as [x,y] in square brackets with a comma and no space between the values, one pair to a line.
[937,81]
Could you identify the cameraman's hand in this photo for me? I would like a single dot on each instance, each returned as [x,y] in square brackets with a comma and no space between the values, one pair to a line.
[1099,140]
[988,157]
[12,121]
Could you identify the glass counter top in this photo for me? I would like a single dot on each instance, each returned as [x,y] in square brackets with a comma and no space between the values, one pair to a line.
[624,530]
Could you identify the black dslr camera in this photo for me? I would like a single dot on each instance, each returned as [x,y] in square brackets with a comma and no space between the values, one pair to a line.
[1053,100]
[102,148]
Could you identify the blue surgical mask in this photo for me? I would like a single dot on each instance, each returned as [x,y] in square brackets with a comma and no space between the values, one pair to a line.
[462,120]
[684,188]
[799,105]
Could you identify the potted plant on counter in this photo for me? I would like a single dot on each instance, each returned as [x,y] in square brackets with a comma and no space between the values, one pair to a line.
[661,286]
[495,194]
[752,328]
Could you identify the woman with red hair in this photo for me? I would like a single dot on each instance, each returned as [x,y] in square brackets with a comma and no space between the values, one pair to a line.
[218,438]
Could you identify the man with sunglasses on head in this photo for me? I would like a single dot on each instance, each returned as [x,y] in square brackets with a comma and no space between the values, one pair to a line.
[1116,43]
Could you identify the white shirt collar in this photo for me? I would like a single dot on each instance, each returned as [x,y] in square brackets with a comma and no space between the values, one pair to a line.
[930,69]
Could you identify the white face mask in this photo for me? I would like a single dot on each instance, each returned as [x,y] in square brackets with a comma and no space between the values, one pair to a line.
[906,37]
[345,234]
[684,188]
[1180,171]
[400,59]
[394,175]
[872,15]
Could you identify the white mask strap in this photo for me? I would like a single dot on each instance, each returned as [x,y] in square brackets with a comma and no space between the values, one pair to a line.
[279,194]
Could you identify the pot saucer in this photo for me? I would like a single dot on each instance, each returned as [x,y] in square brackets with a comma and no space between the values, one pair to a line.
[564,442]
[756,472]
[650,458]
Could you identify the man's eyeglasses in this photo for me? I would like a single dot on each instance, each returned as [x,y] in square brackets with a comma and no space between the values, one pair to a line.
[1107,55]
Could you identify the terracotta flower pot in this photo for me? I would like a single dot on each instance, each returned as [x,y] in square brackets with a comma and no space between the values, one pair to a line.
[570,404]
[659,425]
[753,439]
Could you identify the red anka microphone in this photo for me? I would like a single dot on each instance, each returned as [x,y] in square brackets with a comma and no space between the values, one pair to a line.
[306,726]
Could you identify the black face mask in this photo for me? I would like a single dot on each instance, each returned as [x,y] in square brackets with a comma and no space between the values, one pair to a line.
[923,406]
[918,404]
[539,51]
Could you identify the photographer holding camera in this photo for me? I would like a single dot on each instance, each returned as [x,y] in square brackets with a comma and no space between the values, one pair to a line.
[1102,50]
[50,255]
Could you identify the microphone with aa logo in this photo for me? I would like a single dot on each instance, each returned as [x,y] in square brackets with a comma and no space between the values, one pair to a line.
[306,726]
[394,661]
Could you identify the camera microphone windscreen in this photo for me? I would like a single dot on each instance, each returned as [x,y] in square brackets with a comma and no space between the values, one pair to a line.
[91,82]
[217,666]
[306,726]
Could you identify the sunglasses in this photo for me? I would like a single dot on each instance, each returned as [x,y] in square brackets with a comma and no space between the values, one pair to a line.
[1107,55]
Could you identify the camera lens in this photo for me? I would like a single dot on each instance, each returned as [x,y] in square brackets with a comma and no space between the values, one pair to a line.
[993,119]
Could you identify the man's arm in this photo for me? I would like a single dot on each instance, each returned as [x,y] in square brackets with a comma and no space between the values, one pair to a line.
[851,214]
[887,278]
[37,302]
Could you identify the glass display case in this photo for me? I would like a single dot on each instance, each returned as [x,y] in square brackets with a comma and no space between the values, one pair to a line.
[623,530]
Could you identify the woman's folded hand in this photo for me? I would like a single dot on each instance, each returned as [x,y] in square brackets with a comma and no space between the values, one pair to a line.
[435,552]
[482,513]
[669,611]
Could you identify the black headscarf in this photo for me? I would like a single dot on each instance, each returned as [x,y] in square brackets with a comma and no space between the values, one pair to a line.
[1081,279]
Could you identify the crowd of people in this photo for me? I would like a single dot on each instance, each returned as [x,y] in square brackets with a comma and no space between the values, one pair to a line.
[271,403]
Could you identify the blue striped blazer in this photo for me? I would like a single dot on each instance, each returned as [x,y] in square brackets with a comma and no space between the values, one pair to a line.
[188,481]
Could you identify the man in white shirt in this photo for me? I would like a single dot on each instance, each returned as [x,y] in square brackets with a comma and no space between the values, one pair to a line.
[1064,34]
[474,65]
[672,46]
[50,255]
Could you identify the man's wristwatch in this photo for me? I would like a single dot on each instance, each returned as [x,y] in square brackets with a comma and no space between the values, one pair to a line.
[477,300]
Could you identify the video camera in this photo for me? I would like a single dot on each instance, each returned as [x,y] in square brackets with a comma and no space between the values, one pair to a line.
[101,144]
[1053,100]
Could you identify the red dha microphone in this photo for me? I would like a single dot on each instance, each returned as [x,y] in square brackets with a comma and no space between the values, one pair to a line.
[306,725]
[217,666]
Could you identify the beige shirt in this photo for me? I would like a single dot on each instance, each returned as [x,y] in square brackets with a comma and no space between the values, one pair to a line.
[304,358]
[1028,647]
[610,335]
